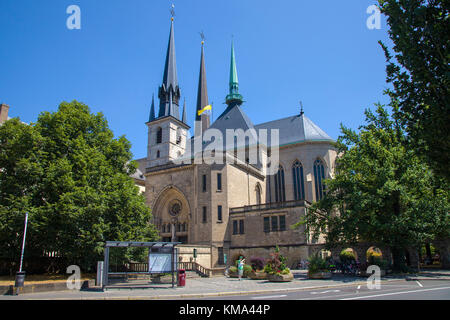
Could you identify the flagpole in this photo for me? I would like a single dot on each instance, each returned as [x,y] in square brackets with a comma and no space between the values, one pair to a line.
[23,243]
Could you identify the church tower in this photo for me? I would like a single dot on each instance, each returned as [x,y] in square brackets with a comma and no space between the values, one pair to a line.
[167,133]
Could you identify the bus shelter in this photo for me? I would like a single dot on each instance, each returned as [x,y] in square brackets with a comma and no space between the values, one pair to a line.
[162,258]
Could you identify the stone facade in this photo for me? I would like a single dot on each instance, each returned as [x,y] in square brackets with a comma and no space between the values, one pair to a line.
[207,210]
[4,109]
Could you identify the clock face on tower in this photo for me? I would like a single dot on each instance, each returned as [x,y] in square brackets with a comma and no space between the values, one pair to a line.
[175,207]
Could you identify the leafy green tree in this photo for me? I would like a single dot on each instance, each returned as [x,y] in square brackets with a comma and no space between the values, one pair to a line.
[381,193]
[72,176]
[419,30]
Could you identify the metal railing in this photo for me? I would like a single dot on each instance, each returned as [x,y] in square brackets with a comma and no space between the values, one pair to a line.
[188,266]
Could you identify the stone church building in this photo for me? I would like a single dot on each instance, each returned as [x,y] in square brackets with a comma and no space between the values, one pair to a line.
[233,206]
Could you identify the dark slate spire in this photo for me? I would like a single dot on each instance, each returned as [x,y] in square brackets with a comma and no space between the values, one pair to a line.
[233,98]
[184,119]
[152,110]
[202,121]
[169,92]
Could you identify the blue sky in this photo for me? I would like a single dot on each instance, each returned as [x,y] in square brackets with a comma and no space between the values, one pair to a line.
[320,52]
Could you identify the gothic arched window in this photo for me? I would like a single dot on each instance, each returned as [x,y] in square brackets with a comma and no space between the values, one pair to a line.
[280,194]
[159,135]
[258,193]
[299,184]
[319,177]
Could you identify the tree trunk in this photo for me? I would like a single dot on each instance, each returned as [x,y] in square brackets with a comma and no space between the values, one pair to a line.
[399,259]
[429,257]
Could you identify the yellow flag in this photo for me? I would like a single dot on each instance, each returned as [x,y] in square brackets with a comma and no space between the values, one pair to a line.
[208,107]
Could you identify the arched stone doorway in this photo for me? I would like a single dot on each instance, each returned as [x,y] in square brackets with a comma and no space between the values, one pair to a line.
[171,214]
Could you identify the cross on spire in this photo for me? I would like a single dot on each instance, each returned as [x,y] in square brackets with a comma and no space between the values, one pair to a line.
[172,11]
[202,35]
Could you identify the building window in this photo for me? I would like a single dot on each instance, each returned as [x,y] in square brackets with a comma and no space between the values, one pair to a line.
[163,228]
[282,223]
[219,213]
[178,136]
[275,223]
[258,193]
[270,188]
[299,184]
[238,227]
[159,135]
[220,255]
[219,182]
[266,224]
[204,215]
[204,183]
[158,154]
[280,195]
[319,177]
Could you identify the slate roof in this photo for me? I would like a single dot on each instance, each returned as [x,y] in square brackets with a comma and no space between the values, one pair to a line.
[296,129]
[233,118]
[139,175]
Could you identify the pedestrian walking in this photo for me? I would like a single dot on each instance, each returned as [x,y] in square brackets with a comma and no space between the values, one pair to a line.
[241,263]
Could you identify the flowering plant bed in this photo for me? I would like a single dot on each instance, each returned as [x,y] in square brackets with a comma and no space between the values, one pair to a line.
[257,275]
[279,277]
[276,268]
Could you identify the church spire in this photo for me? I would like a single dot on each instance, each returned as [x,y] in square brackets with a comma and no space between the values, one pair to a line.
[169,92]
[152,109]
[233,98]
[202,121]
[184,118]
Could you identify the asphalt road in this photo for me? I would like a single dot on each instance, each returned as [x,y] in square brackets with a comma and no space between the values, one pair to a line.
[398,290]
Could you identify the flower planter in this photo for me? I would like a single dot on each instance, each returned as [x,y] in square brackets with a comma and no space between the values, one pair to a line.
[257,275]
[280,277]
[319,275]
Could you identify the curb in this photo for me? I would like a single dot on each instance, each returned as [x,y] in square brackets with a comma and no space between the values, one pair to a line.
[232,293]
[41,287]
[423,279]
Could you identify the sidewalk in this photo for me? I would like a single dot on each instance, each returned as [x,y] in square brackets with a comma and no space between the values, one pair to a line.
[204,287]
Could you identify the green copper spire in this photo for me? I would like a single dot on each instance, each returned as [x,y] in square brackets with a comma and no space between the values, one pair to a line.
[234,83]
[233,98]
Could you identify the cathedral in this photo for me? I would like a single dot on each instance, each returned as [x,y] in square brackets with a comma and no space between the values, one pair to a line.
[212,195]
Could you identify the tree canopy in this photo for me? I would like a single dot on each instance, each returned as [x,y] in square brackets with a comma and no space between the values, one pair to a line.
[382,192]
[72,176]
[419,72]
